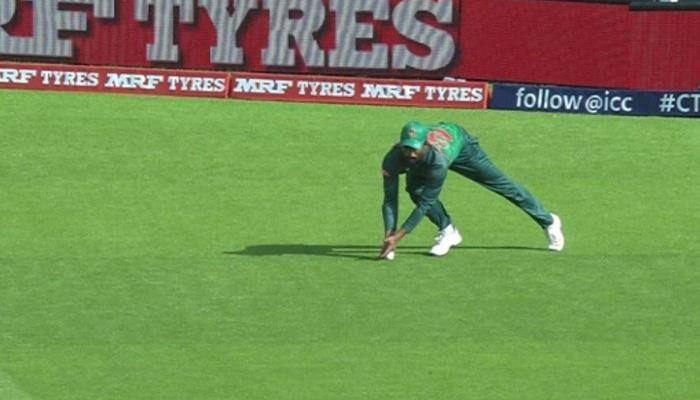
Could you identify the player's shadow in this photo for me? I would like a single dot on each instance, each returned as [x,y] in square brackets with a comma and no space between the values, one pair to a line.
[357,252]
[352,251]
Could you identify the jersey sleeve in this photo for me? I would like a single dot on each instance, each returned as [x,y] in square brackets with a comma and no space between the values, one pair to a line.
[390,174]
[427,198]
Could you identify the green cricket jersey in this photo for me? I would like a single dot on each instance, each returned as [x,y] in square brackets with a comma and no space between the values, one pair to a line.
[425,178]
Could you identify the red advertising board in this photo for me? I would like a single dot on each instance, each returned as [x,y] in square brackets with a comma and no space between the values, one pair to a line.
[574,43]
[325,89]
[579,44]
[243,85]
[114,79]
[343,37]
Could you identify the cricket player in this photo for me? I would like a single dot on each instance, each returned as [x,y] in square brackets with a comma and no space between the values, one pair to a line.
[425,153]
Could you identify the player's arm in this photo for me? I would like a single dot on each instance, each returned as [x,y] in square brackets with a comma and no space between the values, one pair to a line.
[428,197]
[430,194]
[390,205]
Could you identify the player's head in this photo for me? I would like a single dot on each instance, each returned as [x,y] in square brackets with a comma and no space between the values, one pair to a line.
[413,136]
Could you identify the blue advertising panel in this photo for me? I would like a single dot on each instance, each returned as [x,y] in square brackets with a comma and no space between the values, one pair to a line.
[594,101]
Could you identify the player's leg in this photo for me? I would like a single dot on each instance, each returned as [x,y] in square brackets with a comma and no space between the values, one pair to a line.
[448,236]
[437,214]
[474,164]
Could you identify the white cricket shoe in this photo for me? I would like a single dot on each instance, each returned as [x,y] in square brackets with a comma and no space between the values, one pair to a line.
[555,235]
[446,239]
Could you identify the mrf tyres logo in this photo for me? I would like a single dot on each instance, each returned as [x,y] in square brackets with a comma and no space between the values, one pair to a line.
[293,26]
[421,91]
[592,103]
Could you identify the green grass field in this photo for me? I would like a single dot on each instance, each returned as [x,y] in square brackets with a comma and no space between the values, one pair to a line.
[156,248]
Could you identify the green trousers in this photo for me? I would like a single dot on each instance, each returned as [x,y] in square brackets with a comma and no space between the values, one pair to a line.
[473,163]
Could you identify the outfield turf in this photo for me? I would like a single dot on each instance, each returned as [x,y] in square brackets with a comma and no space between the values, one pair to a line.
[157,248]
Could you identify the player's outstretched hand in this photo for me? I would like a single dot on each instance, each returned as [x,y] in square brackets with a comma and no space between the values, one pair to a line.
[387,249]
[391,240]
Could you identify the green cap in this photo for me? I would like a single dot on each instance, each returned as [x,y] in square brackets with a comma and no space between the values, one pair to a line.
[413,135]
